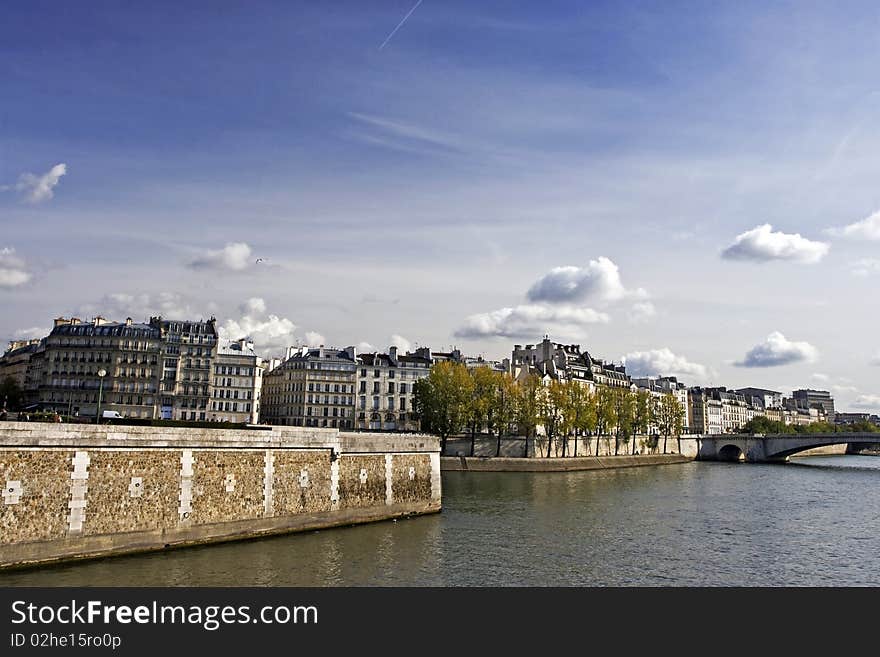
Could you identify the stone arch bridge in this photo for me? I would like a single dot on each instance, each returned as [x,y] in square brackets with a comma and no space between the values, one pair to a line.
[772,448]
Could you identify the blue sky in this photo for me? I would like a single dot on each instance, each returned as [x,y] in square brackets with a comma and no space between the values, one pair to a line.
[418,192]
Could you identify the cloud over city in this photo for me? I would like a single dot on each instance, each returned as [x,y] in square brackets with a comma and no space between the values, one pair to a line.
[866,229]
[762,244]
[527,321]
[777,350]
[556,304]
[271,334]
[599,281]
[235,256]
[36,188]
[663,362]
[13,269]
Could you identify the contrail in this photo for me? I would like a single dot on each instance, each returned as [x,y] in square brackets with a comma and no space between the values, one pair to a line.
[399,25]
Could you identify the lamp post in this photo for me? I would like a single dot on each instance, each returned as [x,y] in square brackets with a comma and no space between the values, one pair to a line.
[101,374]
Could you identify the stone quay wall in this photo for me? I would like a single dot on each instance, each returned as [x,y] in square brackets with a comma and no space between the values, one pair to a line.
[75,491]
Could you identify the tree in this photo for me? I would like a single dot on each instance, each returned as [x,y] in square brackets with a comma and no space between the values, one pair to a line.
[604,400]
[670,418]
[643,415]
[11,393]
[482,393]
[442,400]
[623,416]
[582,412]
[528,397]
[554,412]
[502,412]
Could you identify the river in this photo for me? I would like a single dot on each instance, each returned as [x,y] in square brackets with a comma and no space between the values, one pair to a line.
[813,522]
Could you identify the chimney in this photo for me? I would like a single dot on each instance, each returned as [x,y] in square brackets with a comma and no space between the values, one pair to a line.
[60,321]
[128,321]
[99,320]
[392,352]
[351,352]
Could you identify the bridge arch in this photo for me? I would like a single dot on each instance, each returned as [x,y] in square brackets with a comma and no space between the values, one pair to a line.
[730,453]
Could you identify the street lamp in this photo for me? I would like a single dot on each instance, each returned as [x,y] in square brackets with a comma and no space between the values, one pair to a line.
[101,374]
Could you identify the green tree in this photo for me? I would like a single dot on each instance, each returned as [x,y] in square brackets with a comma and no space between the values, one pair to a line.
[502,412]
[482,394]
[552,411]
[623,416]
[643,415]
[670,418]
[11,393]
[442,400]
[604,403]
[581,411]
[528,399]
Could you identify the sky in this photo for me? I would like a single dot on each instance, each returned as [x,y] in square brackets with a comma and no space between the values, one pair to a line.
[689,188]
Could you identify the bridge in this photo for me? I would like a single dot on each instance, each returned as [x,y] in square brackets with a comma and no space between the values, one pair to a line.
[772,448]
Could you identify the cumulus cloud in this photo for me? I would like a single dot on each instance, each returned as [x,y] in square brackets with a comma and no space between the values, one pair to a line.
[119,305]
[761,244]
[642,312]
[31,333]
[662,362]
[528,320]
[598,281]
[235,256]
[866,229]
[365,348]
[868,402]
[13,270]
[865,267]
[400,342]
[777,350]
[38,188]
[270,333]
[314,339]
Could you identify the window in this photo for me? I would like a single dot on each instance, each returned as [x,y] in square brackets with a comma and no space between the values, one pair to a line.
[363,372]
[403,403]
[390,374]
[375,403]
[391,388]
[375,387]
[376,374]
[363,387]
[402,388]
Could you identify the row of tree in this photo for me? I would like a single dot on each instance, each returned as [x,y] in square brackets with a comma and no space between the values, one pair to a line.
[452,399]
[765,425]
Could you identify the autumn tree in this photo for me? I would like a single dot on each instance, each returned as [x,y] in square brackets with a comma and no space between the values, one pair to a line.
[443,399]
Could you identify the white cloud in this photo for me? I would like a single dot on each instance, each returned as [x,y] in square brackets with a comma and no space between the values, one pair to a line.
[270,333]
[778,350]
[140,307]
[235,256]
[400,342]
[13,270]
[868,402]
[31,333]
[865,267]
[662,362]
[642,312]
[37,188]
[822,378]
[761,244]
[314,339]
[528,320]
[598,281]
[365,348]
[866,229]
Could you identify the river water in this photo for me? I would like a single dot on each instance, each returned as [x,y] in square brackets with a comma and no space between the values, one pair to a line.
[815,522]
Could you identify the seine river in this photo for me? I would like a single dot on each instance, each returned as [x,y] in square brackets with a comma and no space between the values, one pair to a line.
[811,523]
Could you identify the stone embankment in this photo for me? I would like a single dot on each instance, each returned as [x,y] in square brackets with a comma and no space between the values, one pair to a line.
[74,491]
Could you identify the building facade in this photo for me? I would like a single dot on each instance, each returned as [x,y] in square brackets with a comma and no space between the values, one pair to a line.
[807,398]
[188,348]
[14,362]
[237,383]
[66,376]
[313,387]
[385,390]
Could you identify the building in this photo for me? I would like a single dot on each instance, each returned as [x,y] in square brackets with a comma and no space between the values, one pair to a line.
[238,381]
[807,398]
[14,362]
[769,398]
[566,362]
[385,390]
[706,411]
[669,385]
[188,347]
[78,362]
[313,387]
[855,418]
